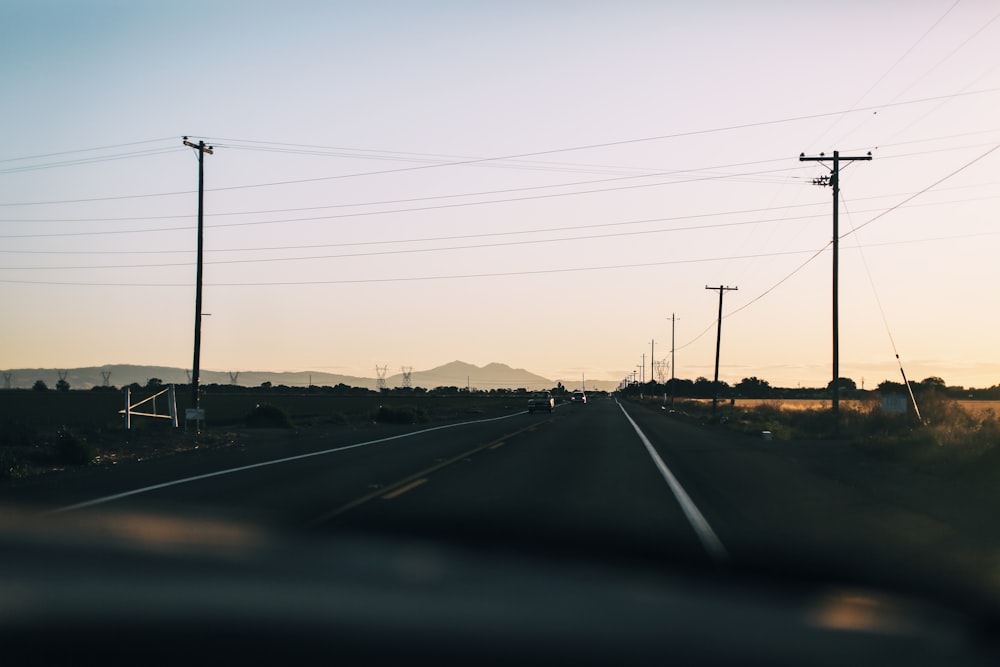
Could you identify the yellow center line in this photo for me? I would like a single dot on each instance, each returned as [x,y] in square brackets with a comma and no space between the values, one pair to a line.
[403,489]
[499,444]
[407,481]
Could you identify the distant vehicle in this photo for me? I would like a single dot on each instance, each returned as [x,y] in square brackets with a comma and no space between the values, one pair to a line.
[578,397]
[541,400]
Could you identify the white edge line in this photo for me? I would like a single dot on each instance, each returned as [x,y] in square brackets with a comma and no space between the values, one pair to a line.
[228,471]
[694,516]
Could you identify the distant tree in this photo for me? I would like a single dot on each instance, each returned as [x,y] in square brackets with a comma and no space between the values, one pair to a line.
[40,386]
[679,387]
[890,387]
[265,384]
[933,383]
[703,388]
[154,383]
[62,385]
[845,384]
[752,387]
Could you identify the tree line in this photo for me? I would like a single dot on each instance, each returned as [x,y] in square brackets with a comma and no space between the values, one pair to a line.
[701,387]
[754,387]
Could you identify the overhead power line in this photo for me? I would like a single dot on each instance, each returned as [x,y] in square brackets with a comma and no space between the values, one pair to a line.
[355,281]
[608,144]
[917,194]
[85,150]
[359,214]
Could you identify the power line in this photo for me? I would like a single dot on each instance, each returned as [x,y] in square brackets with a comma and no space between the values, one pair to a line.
[893,66]
[355,281]
[945,58]
[384,202]
[553,151]
[917,194]
[402,210]
[933,239]
[437,238]
[648,174]
[91,160]
[85,150]
[423,250]
[501,234]
[852,231]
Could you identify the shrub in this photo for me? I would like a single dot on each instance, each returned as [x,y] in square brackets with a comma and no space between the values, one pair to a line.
[12,464]
[264,415]
[74,448]
[338,418]
[13,434]
[401,415]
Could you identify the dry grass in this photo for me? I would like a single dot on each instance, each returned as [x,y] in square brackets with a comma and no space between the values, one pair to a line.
[982,409]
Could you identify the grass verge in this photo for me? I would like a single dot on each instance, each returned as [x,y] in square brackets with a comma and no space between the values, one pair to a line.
[949,439]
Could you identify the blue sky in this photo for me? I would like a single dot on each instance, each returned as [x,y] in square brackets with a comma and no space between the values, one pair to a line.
[541,184]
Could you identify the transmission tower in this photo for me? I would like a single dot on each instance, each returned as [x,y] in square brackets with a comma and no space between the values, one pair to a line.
[234,378]
[380,371]
[661,370]
[7,377]
[106,377]
[62,375]
[407,374]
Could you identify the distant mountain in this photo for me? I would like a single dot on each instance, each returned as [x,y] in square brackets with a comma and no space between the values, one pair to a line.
[454,374]
[461,374]
[121,375]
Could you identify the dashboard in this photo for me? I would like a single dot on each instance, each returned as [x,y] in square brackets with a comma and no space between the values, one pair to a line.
[155,589]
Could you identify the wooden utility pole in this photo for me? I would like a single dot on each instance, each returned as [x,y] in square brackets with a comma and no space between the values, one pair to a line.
[652,360]
[718,347]
[673,364]
[202,149]
[834,179]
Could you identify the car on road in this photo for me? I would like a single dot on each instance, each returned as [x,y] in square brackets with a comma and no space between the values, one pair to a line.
[579,398]
[541,400]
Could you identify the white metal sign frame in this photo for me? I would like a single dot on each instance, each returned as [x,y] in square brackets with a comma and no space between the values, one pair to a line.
[130,408]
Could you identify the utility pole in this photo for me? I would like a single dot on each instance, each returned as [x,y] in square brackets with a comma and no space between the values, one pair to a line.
[652,360]
[642,369]
[718,347]
[833,179]
[202,149]
[673,365]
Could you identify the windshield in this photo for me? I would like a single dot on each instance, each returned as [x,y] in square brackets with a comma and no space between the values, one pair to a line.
[310,269]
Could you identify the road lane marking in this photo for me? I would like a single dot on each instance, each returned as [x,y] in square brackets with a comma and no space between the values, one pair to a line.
[323,518]
[499,444]
[697,520]
[403,489]
[263,464]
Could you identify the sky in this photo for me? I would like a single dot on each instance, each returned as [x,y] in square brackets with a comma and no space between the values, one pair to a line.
[549,184]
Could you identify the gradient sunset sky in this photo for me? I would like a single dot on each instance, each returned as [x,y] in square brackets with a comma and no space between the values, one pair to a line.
[541,184]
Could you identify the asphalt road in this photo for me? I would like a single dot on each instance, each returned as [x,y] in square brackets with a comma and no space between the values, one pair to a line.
[613,534]
[605,476]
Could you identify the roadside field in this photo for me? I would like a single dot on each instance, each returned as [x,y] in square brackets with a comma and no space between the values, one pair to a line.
[100,410]
[978,408]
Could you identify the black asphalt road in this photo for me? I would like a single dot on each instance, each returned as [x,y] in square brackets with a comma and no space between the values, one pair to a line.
[601,476]
[604,533]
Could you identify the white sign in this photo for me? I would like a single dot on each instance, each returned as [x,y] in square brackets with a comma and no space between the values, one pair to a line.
[894,403]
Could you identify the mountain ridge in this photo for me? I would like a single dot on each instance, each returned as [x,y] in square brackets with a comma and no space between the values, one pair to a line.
[494,375]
